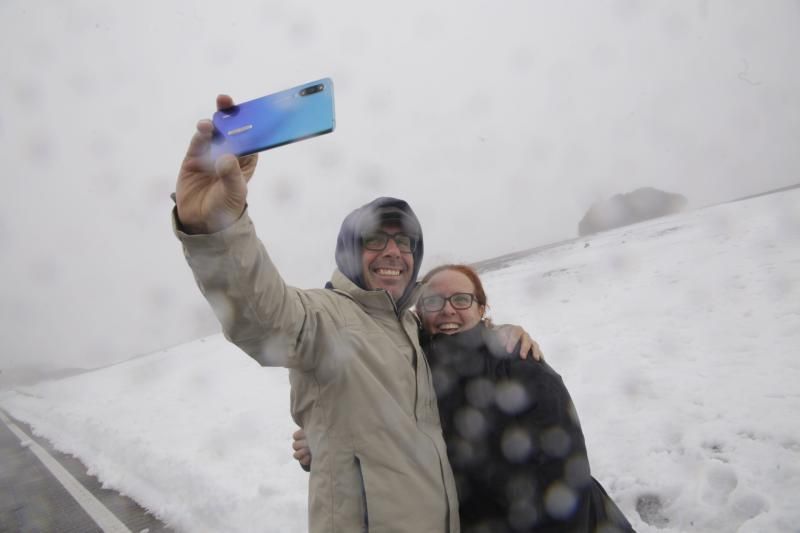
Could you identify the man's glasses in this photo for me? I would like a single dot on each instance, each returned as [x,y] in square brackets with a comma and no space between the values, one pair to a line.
[377,241]
[459,300]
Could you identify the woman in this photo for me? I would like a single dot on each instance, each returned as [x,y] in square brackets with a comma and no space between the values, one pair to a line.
[513,437]
[512,433]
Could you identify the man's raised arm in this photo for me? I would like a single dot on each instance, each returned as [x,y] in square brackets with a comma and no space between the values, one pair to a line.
[258,312]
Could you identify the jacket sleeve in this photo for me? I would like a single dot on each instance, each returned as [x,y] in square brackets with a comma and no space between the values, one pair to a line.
[258,312]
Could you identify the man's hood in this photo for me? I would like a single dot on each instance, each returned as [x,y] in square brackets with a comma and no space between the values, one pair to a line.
[367,218]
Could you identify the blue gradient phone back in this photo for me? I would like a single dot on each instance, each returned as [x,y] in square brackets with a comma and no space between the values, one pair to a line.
[270,121]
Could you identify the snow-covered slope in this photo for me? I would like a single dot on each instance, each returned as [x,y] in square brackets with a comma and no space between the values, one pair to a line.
[678,339]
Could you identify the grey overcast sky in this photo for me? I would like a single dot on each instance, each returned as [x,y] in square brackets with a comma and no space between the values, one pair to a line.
[500,122]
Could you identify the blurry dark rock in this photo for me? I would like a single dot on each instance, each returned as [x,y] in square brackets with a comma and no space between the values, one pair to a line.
[636,206]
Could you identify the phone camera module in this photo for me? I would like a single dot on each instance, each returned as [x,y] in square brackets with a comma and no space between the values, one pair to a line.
[312,90]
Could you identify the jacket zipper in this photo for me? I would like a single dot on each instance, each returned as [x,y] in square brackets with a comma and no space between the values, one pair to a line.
[414,366]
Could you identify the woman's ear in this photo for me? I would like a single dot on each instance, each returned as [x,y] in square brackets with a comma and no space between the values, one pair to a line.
[485,318]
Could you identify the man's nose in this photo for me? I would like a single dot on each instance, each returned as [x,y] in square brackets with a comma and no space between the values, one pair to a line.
[391,248]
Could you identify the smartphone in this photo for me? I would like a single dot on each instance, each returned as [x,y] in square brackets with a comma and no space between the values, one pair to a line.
[274,120]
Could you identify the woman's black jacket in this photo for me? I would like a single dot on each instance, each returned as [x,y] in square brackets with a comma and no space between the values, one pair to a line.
[514,441]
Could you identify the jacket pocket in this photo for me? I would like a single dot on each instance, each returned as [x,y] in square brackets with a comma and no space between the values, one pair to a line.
[365,523]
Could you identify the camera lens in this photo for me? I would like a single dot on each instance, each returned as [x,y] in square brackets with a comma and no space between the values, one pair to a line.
[311,90]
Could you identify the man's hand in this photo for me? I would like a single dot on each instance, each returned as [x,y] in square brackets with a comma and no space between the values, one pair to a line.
[210,195]
[301,450]
[510,335]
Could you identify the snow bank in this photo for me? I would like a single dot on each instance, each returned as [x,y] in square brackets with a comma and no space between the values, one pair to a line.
[678,339]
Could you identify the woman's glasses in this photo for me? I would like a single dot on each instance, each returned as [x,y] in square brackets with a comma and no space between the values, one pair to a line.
[377,241]
[459,300]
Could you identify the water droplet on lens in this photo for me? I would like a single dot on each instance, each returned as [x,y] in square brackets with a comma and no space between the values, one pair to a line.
[560,500]
[516,444]
[480,392]
[511,397]
[556,442]
[470,423]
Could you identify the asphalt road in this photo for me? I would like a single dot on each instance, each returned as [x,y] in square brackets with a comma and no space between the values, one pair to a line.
[42,491]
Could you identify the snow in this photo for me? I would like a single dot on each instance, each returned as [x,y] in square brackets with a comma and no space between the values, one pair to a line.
[678,339]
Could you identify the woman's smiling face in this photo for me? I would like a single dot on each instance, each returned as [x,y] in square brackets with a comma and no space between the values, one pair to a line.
[448,319]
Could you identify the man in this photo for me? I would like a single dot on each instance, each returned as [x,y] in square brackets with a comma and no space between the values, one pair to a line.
[361,386]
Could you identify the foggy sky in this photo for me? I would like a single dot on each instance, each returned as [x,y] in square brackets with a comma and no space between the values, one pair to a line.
[499,122]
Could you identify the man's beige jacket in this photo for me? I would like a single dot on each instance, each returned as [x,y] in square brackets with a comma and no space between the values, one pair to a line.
[361,386]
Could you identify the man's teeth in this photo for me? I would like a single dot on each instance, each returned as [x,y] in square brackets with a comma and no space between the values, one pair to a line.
[448,327]
[387,272]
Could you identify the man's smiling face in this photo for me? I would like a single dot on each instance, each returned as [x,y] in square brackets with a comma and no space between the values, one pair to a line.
[388,269]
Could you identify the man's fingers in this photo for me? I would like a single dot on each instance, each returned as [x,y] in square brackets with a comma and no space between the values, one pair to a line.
[302,452]
[299,454]
[224,101]
[530,346]
[537,352]
[248,164]
[513,335]
[303,455]
[201,139]
[199,144]
[525,344]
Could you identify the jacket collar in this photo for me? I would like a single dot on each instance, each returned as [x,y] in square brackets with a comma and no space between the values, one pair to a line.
[471,339]
[476,339]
